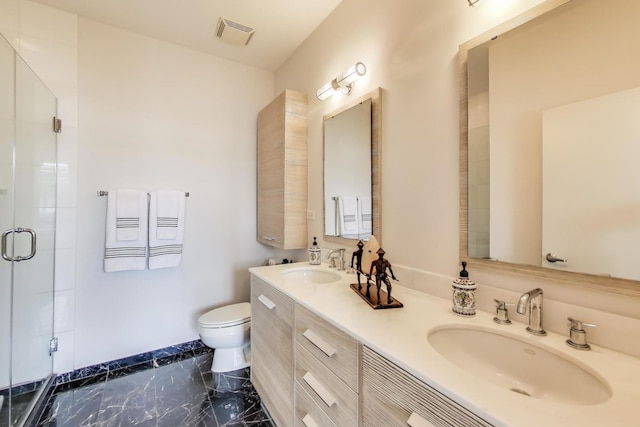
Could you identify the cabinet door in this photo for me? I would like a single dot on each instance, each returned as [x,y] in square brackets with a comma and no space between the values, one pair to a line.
[392,397]
[271,158]
[282,172]
[272,368]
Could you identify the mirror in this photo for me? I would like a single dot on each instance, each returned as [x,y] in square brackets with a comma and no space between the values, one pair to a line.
[351,184]
[548,141]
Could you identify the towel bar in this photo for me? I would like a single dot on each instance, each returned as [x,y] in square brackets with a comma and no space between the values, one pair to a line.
[102,193]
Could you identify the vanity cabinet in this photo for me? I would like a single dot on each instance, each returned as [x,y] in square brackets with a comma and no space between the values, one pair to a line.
[272,349]
[326,373]
[282,172]
[392,397]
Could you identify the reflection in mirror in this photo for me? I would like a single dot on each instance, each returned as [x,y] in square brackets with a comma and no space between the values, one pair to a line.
[347,173]
[547,153]
[351,170]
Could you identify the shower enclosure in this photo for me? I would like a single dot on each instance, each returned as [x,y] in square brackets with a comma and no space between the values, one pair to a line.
[28,170]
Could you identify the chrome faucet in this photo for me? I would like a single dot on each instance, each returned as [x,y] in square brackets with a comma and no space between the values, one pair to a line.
[331,259]
[533,299]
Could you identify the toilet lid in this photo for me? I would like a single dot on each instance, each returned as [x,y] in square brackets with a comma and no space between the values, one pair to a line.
[229,315]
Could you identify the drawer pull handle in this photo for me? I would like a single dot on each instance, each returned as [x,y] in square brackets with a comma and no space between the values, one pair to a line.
[416,420]
[320,390]
[324,346]
[267,302]
[308,421]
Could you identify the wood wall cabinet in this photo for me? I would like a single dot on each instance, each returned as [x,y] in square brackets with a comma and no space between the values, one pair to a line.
[272,350]
[282,172]
[392,397]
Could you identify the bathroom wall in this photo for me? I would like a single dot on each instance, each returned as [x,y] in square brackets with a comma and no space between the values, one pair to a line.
[151,116]
[158,116]
[410,49]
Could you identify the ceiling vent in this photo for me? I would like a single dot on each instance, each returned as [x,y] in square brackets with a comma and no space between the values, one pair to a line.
[234,33]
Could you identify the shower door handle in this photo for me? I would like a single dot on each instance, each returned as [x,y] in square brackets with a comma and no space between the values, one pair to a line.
[6,256]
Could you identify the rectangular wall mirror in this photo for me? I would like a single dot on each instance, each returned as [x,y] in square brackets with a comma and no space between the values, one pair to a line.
[549,141]
[351,184]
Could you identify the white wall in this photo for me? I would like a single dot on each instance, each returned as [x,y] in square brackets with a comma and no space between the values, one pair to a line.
[410,50]
[158,116]
[152,116]
[200,112]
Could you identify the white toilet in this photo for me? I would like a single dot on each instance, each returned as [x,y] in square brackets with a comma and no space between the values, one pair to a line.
[227,330]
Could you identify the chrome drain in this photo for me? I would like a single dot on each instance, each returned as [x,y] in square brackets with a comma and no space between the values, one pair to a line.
[519,391]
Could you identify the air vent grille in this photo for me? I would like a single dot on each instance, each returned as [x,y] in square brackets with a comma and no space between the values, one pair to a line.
[234,32]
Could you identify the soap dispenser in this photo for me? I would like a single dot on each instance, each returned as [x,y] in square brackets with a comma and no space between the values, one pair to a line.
[314,253]
[464,294]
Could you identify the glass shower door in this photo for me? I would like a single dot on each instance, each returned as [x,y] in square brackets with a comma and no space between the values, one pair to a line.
[7,138]
[27,223]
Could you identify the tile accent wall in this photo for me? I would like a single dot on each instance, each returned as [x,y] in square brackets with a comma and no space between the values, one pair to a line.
[137,362]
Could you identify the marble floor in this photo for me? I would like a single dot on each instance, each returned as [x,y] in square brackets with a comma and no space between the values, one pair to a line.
[181,394]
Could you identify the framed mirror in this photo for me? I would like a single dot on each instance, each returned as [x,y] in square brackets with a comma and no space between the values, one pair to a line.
[351,171]
[549,131]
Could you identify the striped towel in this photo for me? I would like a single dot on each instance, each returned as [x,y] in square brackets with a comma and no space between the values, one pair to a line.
[125,245]
[347,216]
[166,228]
[169,209]
[128,215]
[364,208]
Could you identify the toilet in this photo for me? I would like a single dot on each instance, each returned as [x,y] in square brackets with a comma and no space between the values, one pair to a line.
[227,330]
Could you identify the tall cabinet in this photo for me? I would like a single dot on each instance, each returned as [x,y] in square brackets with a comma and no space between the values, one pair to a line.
[282,172]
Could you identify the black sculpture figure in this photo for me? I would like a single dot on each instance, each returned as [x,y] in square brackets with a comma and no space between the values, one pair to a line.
[381,266]
[357,258]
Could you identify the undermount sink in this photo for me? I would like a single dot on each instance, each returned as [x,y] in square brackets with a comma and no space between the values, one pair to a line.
[519,366]
[311,276]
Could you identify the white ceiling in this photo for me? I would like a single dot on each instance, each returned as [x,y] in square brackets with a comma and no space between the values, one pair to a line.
[280,25]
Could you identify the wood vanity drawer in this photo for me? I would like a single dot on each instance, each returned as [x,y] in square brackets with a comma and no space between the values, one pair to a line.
[308,413]
[329,392]
[272,347]
[391,397]
[334,348]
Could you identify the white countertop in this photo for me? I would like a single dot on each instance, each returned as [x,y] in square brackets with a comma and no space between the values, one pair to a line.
[401,335]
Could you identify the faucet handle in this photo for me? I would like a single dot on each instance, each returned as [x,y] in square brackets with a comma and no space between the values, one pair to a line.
[579,324]
[502,313]
[577,335]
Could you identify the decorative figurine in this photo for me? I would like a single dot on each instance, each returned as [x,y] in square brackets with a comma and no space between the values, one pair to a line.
[382,269]
[381,266]
[357,259]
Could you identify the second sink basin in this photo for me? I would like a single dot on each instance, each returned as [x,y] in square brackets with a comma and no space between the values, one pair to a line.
[311,276]
[514,364]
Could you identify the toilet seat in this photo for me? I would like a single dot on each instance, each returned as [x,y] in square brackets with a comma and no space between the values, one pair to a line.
[227,316]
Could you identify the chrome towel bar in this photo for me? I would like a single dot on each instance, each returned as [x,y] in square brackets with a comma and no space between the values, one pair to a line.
[103,193]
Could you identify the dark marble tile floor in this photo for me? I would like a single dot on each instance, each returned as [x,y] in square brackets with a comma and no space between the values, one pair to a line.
[181,394]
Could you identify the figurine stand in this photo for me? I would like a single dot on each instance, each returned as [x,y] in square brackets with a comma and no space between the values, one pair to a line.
[372,300]
[364,258]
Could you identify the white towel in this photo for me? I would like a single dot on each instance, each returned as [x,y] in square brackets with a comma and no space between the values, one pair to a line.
[128,215]
[364,209]
[347,216]
[169,208]
[166,208]
[120,254]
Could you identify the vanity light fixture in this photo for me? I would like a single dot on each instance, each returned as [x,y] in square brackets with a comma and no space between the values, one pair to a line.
[472,2]
[343,83]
